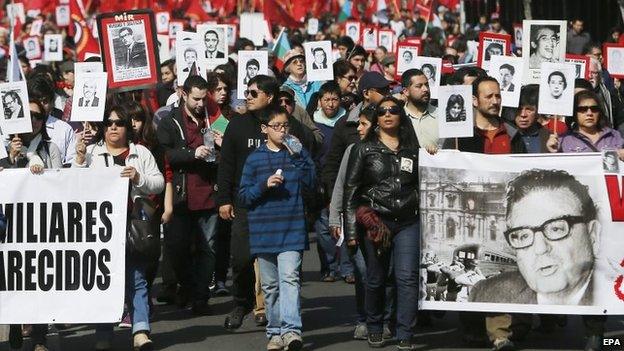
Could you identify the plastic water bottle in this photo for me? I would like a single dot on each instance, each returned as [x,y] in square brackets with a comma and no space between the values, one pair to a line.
[210,144]
[293,143]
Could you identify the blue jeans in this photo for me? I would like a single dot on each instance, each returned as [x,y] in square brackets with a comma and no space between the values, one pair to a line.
[360,290]
[331,261]
[137,298]
[281,285]
[404,256]
[193,272]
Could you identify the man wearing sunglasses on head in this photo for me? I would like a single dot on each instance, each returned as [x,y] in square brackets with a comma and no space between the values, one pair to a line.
[242,136]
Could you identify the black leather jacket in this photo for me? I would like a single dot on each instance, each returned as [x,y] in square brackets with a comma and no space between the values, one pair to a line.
[382,180]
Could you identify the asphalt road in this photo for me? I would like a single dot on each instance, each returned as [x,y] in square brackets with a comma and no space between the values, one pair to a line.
[328,315]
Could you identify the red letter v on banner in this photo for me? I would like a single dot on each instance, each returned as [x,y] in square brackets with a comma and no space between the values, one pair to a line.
[615,198]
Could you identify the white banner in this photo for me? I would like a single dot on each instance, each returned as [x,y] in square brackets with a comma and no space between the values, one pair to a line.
[521,233]
[62,259]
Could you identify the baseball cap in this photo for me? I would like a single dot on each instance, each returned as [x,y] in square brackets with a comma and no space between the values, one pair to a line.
[372,80]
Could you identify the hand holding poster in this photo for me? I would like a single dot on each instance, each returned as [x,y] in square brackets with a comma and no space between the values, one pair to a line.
[64,246]
[527,234]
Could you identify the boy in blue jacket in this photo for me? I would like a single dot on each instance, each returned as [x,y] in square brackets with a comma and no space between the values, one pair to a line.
[271,188]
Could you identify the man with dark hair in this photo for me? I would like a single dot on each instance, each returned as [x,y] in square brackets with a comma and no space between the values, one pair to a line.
[211,40]
[344,44]
[41,88]
[165,87]
[134,55]
[467,75]
[194,217]
[357,57]
[242,136]
[418,108]
[320,58]
[492,50]
[252,67]
[577,38]
[491,136]
[507,72]
[554,268]
[190,58]
[13,107]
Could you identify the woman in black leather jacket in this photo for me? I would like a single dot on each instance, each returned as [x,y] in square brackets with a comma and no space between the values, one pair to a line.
[381,202]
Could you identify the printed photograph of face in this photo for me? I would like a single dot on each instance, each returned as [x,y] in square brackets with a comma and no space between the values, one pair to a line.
[555,245]
[455,109]
[129,47]
[544,43]
[507,72]
[320,58]
[557,84]
[407,57]
[352,31]
[12,103]
[251,67]
[493,49]
[190,59]
[518,35]
[430,72]
[213,40]
[610,162]
[384,40]
[52,45]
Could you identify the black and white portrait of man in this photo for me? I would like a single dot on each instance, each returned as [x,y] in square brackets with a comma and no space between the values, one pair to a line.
[213,42]
[13,106]
[88,98]
[610,161]
[320,58]
[131,53]
[555,246]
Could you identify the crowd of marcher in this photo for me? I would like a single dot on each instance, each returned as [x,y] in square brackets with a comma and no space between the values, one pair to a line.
[338,158]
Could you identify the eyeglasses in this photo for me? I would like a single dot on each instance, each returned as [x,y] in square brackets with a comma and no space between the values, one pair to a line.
[592,108]
[253,93]
[278,126]
[553,229]
[394,110]
[116,122]
[350,78]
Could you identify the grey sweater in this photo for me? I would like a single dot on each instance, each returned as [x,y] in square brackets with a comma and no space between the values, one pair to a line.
[335,206]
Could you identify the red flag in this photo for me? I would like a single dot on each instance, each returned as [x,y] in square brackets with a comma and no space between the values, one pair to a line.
[85,42]
[371,9]
[276,13]
[355,10]
[195,11]
[45,6]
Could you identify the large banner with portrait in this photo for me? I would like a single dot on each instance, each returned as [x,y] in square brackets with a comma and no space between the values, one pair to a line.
[62,257]
[528,234]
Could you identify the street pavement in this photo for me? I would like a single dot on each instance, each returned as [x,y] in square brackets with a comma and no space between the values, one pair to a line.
[328,315]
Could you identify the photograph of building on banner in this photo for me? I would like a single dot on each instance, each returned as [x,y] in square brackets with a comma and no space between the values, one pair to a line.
[89,97]
[250,64]
[508,71]
[556,93]
[124,41]
[214,41]
[319,60]
[543,41]
[69,241]
[520,234]
[15,112]
[455,114]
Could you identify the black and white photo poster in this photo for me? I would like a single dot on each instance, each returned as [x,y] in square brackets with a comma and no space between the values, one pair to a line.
[250,64]
[313,26]
[231,33]
[556,91]
[405,58]
[455,115]
[16,11]
[543,41]
[214,41]
[352,30]
[432,68]
[614,60]
[531,234]
[508,71]
[15,117]
[164,49]
[162,22]
[253,27]
[62,15]
[190,56]
[89,97]
[319,61]
[369,38]
[87,67]
[129,51]
[71,242]
[33,49]
[53,47]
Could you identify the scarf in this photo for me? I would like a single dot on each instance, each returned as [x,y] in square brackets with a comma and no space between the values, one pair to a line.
[319,117]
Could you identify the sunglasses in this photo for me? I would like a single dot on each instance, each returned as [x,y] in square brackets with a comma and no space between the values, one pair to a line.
[37,115]
[253,93]
[592,108]
[350,78]
[116,122]
[394,110]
